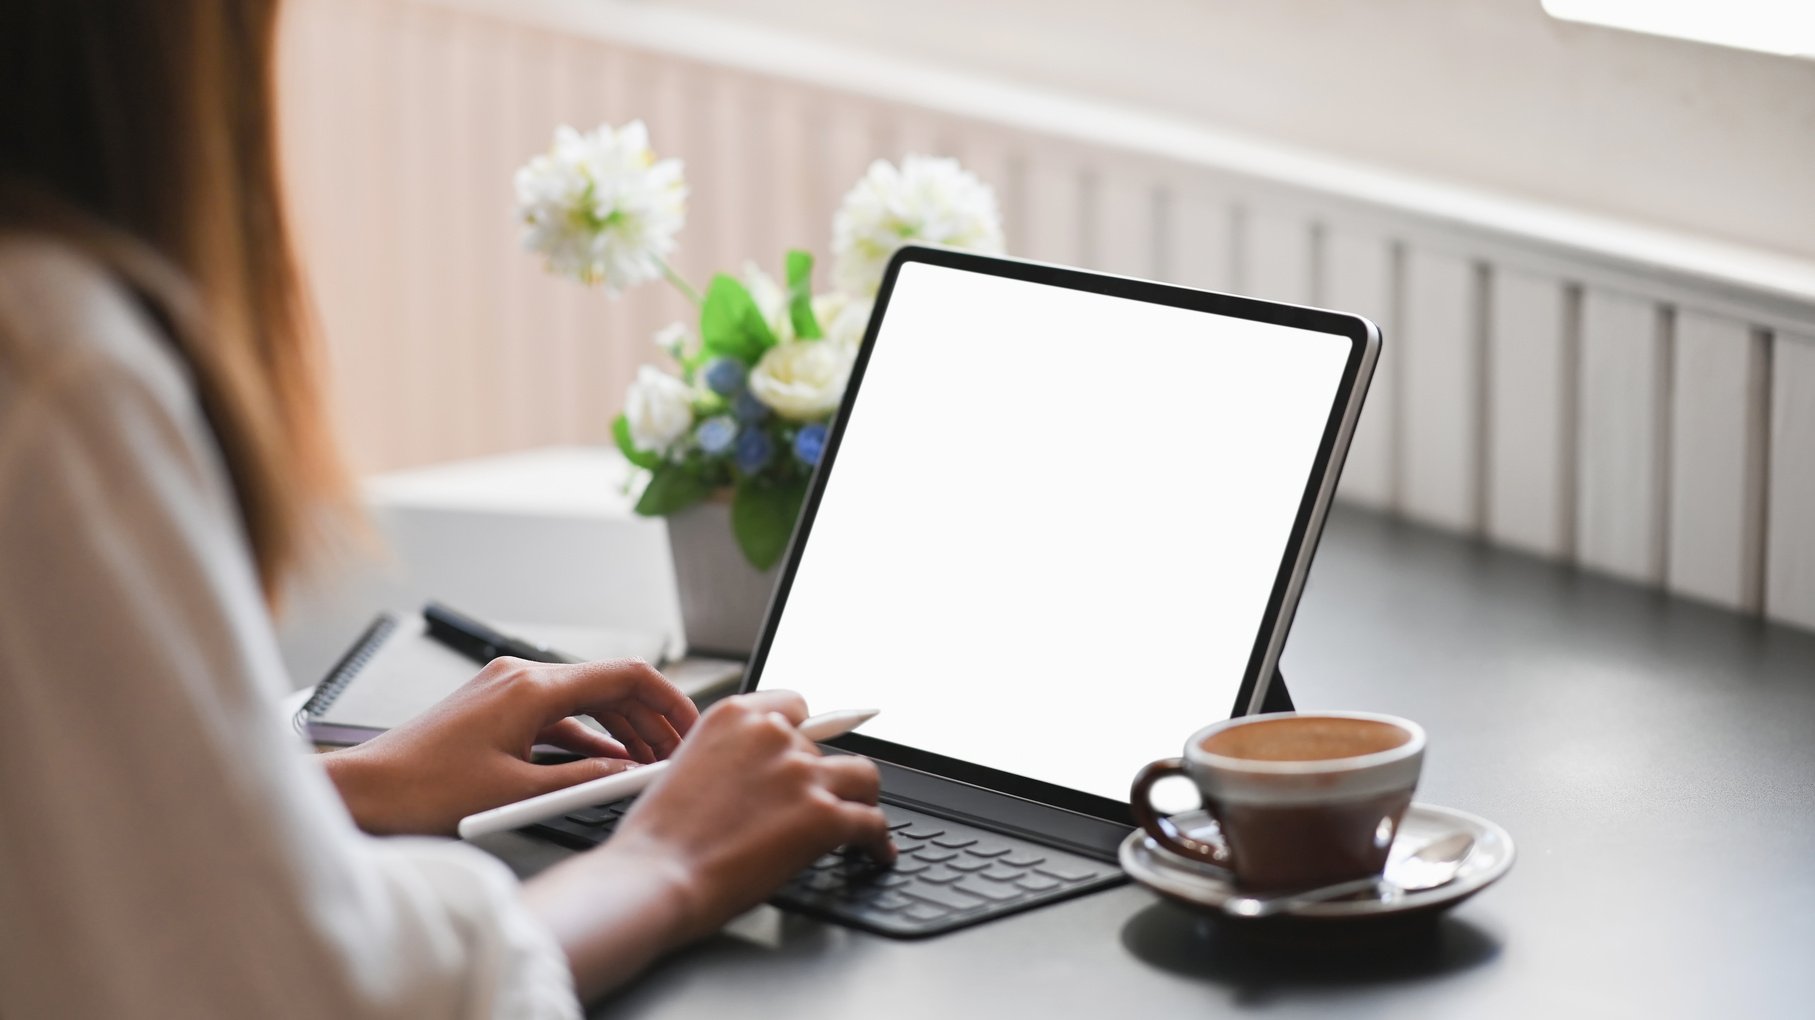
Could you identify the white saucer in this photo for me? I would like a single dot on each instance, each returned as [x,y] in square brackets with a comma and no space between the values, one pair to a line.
[1205,886]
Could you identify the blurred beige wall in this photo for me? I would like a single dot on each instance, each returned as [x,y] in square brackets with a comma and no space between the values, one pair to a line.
[1488,92]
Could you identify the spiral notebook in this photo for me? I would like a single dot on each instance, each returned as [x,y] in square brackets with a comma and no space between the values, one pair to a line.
[394,671]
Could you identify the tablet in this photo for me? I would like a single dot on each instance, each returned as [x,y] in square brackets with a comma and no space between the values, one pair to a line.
[1062,520]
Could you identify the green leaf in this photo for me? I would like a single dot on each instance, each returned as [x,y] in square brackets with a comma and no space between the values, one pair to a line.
[800,295]
[731,326]
[620,430]
[672,488]
[762,518]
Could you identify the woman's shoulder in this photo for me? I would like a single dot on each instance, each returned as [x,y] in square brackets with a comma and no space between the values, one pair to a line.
[67,313]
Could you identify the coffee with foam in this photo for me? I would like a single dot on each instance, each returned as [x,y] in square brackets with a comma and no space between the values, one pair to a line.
[1301,799]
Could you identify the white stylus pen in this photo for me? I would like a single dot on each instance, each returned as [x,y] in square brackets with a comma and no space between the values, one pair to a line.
[629,783]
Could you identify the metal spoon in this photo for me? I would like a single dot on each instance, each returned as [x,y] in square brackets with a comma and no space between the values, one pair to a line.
[1434,864]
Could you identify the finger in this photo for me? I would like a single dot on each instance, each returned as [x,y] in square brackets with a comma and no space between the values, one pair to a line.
[851,778]
[786,704]
[609,684]
[652,727]
[621,728]
[548,778]
[573,735]
[864,827]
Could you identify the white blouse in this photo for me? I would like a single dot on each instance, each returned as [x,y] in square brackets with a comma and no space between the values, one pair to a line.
[167,847]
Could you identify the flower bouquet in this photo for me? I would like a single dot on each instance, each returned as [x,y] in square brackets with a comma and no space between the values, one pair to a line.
[745,410]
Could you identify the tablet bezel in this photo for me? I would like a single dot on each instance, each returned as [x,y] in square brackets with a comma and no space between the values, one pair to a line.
[1364,338]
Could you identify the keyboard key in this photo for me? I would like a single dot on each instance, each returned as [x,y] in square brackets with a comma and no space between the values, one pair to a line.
[968,864]
[939,874]
[953,842]
[926,912]
[898,826]
[1036,883]
[932,856]
[1067,872]
[988,890]
[945,897]
[893,881]
[827,861]
[1001,874]
[591,816]
[921,831]
[906,865]
[1022,859]
[891,901]
[989,848]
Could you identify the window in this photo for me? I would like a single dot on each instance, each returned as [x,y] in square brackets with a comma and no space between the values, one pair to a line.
[1785,27]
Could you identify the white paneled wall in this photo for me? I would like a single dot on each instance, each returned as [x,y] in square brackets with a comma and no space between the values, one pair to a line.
[1549,382]
[1531,404]
[1621,405]
[1789,564]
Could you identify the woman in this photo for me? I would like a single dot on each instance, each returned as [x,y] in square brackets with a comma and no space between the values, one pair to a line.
[166,848]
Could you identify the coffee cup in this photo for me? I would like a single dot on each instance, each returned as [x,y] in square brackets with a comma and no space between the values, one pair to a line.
[1302,799]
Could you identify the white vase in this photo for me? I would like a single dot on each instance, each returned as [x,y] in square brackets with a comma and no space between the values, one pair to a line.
[723,597]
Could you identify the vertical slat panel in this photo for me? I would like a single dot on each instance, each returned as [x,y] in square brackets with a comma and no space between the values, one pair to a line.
[1619,486]
[1790,528]
[919,133]
[1440,439]
[529,357]
[1055,205]
[852,141]
[710,240]
[796,181]
[493,97]
[721,176]
[985,151]
[360,336]
[1124,222]
[1716,491]
[327,194]
[1357,276]
[566,305]
[1276,257]
[1198,238]
[1529,483]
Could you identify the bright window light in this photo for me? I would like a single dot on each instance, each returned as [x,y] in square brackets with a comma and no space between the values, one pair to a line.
[1785,27]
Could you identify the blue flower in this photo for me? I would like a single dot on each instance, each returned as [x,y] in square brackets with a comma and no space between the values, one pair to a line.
[725,376]
[754,449]
[748,409]
[715,434]
[809,443]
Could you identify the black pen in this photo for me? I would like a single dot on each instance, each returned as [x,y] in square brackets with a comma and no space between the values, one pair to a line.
[481,643]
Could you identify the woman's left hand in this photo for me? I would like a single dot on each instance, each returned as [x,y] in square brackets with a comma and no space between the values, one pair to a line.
[471,751]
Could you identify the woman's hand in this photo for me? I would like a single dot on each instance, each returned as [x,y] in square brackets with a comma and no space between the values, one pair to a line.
[471,750]
[747,803]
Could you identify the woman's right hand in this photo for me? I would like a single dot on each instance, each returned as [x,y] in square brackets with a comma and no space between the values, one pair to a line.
[747,803]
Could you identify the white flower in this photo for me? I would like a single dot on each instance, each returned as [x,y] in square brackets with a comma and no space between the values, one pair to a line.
[928,199]
[672,339]
[600,207]
[842,318]
[659,410]
[803,380]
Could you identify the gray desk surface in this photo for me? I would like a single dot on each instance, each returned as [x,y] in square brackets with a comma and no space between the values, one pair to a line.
[1654,761]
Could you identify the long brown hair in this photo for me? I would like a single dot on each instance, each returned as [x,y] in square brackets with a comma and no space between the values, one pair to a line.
[130,125]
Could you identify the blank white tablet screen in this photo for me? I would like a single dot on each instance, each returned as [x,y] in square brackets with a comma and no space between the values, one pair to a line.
[1053,524]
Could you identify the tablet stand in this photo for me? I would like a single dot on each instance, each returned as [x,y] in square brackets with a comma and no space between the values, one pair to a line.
[1278,699]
